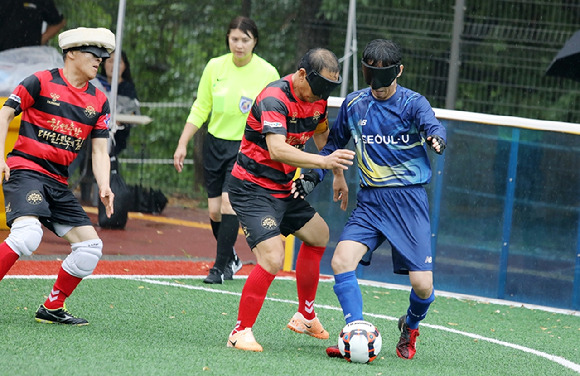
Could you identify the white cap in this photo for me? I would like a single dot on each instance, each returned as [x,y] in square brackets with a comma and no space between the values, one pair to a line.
[83,36]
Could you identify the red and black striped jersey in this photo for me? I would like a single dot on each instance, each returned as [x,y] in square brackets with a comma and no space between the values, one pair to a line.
[57,119]
[277,110]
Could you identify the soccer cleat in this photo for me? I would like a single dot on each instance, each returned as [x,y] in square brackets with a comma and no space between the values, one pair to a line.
[311,327]
[58,316]
[233,267]
[215,277]
[244,340]
[333,352]
[406,347]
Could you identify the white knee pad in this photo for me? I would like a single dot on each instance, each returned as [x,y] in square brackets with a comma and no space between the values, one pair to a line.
[25,236]
[84,258]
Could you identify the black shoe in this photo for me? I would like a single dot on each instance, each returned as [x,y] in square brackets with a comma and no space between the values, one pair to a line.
[57,316]
[233,267]
[215,277]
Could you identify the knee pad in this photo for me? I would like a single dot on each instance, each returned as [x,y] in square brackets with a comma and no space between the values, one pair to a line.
[84,258]
[25,236]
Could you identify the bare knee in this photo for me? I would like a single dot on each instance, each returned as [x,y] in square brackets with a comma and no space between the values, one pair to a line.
[270,255]
[422,283]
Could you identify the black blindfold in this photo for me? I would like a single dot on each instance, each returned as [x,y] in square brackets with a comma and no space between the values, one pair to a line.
[378,77]
[320,85]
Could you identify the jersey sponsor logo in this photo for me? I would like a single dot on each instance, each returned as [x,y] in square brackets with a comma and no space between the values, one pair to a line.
[90,112]
[245,104]
[64,128]
[54,100]
[272,124]
[386,140]
[269,222]
[56,138]
[297,141]
[34,197]
[15,98]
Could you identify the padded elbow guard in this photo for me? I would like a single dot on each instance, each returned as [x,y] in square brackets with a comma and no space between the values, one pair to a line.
[25,236]
[84,258]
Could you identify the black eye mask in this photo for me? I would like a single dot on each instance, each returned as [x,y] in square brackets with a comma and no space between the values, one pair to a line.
[378,77]
[320,85]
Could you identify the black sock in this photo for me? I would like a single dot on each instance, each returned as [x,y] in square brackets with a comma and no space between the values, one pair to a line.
[215,228]
[226,239]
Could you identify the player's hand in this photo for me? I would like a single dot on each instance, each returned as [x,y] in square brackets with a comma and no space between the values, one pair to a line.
[340,159]
[305,184]
[179,157]
[107,198]
[4,169]
[436,143]
[340,190]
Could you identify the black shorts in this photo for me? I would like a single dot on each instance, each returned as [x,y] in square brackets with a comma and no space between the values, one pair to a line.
[219,157]
[32,193]
[263,216]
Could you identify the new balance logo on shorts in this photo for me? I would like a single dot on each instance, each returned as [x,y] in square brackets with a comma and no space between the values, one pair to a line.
[429,260]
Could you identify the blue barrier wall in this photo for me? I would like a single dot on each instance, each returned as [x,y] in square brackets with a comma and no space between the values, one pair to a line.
[504,211]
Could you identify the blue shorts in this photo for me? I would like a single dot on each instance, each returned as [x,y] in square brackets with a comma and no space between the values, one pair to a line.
[399,215]
[29,192]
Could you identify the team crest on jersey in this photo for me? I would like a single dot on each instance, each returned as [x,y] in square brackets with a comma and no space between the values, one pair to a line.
[34,197]
[245,104]
[90,112]
[269,223]
[316,116]
[55,97]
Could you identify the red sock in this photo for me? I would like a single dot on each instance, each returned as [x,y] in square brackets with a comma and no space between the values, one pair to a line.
[7,259]
[63,287]
[253,296]
[307,276]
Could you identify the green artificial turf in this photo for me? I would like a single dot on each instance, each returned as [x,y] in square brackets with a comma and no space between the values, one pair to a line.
[159,326]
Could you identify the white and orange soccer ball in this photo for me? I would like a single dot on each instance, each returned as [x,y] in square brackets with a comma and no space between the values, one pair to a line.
[360,342]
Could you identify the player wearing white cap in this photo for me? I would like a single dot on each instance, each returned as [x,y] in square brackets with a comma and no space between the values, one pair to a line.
[60,109]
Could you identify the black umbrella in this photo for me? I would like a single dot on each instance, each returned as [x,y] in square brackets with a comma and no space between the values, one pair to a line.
[567,62]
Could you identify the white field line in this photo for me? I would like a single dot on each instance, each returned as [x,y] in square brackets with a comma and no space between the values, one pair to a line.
[151,279]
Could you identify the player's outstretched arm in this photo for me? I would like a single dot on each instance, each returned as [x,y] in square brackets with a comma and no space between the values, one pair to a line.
[280,151]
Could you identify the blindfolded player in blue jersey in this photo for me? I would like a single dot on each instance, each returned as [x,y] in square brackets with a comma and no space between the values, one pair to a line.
[390,126]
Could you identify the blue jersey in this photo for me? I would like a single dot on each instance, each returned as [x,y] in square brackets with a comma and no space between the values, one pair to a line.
[388,137]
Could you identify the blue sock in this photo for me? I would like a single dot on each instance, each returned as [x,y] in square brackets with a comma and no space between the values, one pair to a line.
[418,309]
[349,296]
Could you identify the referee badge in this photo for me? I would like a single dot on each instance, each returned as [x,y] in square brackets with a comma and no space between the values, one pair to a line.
[245,104]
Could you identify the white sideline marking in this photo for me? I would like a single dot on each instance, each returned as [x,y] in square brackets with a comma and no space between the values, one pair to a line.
[151,280]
